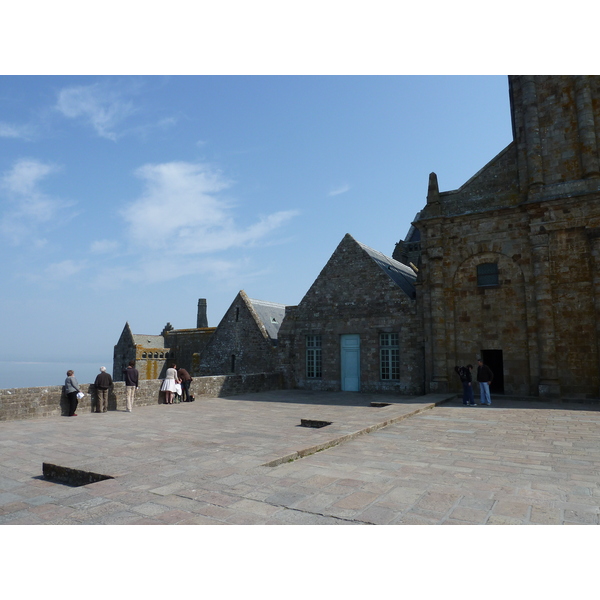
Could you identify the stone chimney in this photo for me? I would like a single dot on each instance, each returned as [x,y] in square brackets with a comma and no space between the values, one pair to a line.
[202,319]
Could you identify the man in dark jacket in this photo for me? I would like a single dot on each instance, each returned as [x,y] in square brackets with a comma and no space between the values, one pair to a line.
[102,384]
[131,383]
[186,380]
[484,378]
[467,382]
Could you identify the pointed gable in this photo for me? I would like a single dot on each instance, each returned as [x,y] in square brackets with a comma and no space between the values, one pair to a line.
[352,272]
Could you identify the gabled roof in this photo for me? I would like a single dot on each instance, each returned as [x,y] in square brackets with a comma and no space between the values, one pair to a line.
[404,277]
[270,314]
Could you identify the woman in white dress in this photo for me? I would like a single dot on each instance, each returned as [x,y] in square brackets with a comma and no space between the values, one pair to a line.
[168,385]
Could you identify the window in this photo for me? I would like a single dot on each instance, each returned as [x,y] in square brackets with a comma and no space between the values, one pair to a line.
[487,274]
[233,363]
[313,356]
[389,355]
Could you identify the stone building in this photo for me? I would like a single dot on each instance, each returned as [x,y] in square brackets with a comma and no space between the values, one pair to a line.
[509,264]
[153,353]
[356,329]
[245,340]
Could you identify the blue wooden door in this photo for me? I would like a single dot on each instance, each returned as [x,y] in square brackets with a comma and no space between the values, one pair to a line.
[350,349]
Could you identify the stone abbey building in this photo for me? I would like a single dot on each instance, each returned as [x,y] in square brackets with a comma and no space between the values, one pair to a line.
[509,264]
[506,268]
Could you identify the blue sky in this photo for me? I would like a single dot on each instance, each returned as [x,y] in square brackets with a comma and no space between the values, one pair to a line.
[127,198]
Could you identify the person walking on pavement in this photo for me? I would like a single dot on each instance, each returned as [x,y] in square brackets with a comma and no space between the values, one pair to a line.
[484,378]
[131,383]
[102,383]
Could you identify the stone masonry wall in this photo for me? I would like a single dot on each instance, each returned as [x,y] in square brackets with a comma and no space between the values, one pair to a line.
[238,345]
[543,312]
[352,295]
[49,401]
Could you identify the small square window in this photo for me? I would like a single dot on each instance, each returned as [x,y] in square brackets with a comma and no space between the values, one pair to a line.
[487,274]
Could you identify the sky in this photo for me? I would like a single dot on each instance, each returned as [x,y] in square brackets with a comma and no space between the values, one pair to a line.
[128,198]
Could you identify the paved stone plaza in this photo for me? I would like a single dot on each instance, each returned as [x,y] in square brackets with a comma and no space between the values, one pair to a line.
[426,460]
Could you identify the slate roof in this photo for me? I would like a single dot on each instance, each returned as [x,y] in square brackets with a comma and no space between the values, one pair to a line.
[270,314]
[404,277]
[149,341]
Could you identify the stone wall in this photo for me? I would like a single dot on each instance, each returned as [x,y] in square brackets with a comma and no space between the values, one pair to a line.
[239,345]
[49,401]
[353,295]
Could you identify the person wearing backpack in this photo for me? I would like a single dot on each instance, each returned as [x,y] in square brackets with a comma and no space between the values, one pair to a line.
[467,382]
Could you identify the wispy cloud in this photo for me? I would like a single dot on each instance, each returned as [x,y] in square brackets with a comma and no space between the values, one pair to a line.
[181,212]
[27,205]
[64,270]
[342,189]
[182,224]
[10,130]
[104,246]
[100,104]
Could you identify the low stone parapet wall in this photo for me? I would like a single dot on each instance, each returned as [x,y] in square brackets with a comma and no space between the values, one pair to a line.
[47,401]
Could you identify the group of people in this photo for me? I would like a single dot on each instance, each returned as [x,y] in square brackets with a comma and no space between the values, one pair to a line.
[177,382]
[484,379]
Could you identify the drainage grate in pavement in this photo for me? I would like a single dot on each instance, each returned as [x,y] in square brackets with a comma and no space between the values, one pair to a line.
[380,404]
[72,477]
[314,423]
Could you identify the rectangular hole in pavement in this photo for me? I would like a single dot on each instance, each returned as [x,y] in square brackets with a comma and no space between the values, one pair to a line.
[313,423]
[72,477]
[380,404]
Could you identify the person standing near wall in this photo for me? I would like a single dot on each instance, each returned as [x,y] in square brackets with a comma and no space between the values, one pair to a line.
[484,379]
[131,383]
[186,381]
[467,382]
[102,383]
[71,390]
[168,385]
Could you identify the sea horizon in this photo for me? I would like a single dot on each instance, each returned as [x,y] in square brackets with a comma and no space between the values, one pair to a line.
[26,374]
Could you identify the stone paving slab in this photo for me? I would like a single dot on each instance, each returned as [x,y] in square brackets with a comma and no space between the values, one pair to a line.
[425,460]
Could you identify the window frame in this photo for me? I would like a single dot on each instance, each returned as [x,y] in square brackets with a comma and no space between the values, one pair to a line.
[389,356]
[490,278]
[313,357]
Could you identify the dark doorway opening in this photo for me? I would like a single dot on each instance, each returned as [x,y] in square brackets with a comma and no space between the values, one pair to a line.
[493,359]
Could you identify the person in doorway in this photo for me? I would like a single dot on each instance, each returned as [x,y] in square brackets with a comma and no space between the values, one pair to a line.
[131,383]
[102,384]
[168,385]
[186,380]
[467,382]
[484,379]
[71,390]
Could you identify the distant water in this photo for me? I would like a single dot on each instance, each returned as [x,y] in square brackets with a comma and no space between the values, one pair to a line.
[15,374]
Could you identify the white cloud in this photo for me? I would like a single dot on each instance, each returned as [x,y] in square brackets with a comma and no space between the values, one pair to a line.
[28,206]
[8,130]
[104,246]
[181,213]
[64,270]
[339,190]
[99,103]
